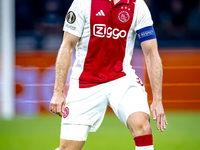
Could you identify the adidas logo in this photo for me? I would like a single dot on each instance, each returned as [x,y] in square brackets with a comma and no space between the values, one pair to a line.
[100,13]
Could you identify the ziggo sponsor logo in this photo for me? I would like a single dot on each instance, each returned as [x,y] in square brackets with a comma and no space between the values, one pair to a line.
[100,30]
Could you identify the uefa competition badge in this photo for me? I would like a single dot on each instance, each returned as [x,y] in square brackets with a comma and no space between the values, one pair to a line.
[71,17]
[124,16]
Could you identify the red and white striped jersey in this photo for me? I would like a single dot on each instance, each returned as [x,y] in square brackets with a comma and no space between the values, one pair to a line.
[107,35]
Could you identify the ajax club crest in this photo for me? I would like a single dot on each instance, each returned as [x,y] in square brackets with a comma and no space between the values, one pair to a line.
[124,16]
[66,112]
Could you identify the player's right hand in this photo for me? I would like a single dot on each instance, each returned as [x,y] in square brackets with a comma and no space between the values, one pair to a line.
[57,104]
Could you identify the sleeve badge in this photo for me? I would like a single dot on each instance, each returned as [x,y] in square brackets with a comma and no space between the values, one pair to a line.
[71,17]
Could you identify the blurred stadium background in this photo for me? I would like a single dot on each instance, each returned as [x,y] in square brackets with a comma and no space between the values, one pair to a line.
[31,33]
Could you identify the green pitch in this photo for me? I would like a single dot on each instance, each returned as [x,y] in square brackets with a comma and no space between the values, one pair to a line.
[42,133]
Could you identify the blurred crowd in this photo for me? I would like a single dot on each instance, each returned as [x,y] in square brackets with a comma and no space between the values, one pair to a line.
[176,19]
[39,23]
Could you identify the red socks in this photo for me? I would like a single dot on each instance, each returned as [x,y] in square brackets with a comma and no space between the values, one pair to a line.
[145,140]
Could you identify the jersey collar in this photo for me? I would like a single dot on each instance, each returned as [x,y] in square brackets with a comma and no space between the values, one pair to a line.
[121,1]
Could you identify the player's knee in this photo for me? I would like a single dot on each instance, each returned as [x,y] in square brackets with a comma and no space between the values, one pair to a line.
[142,128]
[139,124]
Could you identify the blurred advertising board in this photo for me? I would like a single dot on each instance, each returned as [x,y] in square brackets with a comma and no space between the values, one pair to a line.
[35,77]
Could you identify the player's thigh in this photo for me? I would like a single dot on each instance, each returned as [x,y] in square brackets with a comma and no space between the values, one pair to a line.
[130,97]
[74,132]
[71,145]
[84,112]
[85,106]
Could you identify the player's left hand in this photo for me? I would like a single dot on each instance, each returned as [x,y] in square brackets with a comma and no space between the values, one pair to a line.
[159,115]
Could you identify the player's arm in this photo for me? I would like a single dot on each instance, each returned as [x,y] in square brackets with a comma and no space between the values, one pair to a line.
[63,64]
[155,72]
[147,39]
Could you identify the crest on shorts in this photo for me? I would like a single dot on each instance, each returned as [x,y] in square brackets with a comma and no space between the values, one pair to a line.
[71,17]
[124,16]
[66,112]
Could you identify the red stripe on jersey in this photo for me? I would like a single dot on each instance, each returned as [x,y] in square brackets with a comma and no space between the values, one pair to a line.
[109,27]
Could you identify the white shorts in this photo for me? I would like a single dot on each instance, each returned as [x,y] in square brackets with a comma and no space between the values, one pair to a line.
[87,106]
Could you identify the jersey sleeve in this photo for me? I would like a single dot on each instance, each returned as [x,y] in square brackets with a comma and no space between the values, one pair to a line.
[143,15]
[74,20]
